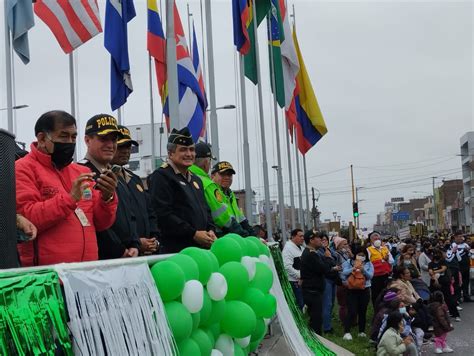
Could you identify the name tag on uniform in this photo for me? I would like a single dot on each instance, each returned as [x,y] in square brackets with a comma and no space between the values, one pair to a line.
[182,183]
[82,217]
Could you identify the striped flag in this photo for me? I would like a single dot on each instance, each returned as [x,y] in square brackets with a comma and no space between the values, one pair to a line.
[73,23]
[156,45]
[117,15]
[192,104]
[198,70]
[19,14]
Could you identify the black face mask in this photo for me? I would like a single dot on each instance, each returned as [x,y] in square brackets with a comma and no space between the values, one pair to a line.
[63,154]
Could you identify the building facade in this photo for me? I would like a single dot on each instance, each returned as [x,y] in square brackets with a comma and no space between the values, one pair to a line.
[467,161]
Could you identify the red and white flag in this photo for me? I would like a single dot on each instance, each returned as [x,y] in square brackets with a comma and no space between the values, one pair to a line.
[73,23]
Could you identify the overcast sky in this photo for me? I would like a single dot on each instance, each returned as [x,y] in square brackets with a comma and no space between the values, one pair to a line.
[394,81]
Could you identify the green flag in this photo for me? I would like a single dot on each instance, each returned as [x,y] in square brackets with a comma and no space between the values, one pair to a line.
[275,38]
[250,60]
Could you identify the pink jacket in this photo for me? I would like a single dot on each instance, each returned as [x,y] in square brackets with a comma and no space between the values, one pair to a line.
[42,196]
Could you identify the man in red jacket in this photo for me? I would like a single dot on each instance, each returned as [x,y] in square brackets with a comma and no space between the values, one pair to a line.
[60,197]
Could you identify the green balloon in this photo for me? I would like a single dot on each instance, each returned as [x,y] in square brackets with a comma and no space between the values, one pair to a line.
[269,310]
[238,351]
[189,347]
[252,248]
[203,261]
[217,312]
[262,248]
[180,320]
[187,264]
[214,261]
[211,337]
[254,345]
[263,279]
[206,310]
[196,320]
[256,300]
[226,250]
[259,331]
[237,279]
[169,279]
[201,338]
[240,240]
[215,329]
[239,319]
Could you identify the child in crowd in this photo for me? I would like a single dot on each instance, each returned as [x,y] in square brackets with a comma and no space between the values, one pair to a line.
[441,324]
[392,343]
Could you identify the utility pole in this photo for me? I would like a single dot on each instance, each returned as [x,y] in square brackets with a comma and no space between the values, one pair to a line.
[353,195]
[314,211]
[435,208]
[357,201]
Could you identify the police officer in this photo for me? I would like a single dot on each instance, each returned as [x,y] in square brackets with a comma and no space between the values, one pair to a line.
[140,203]
[183,216]
[121,240]
[222,174]
[222,216]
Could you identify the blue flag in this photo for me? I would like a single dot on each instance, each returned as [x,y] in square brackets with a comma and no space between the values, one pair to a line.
[117,15]
[20,20]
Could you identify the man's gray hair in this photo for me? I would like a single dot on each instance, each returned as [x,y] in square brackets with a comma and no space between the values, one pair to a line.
[171,147]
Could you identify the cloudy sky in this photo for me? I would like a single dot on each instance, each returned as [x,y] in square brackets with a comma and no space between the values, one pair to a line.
[394,80]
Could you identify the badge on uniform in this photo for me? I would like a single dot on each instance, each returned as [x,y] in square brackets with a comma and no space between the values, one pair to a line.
[218,195]
[82,217]
[139,187]
[196,185]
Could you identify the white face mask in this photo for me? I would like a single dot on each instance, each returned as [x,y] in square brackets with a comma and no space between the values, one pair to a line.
[360,258]
[377,243]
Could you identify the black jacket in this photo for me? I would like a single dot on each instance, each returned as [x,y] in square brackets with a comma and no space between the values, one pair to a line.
[313,270]
[180,208]
[123,233]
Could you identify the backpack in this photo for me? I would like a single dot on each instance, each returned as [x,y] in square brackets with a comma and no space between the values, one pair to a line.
[356,280]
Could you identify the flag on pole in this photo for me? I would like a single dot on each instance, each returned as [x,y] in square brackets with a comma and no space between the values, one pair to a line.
[275,37]
[198,70]
[73,23]
[117,15]
[19,16]
[192,103]
[310,125]
[289,58]
[156,45]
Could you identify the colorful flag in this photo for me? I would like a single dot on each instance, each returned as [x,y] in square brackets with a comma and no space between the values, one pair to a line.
[117,15]
[289,57]
[156,45]
[241,19]
[192,103]
[310,125]
[19,15]
[275,36]
[198,70]
[73,23]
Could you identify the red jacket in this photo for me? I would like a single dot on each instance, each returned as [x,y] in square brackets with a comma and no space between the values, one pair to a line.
[42,196]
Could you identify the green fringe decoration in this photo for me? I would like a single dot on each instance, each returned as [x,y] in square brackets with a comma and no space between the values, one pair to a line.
[308,334]
[32,315]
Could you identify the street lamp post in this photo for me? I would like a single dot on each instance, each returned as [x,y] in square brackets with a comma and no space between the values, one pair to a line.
[16,107]
[224,107]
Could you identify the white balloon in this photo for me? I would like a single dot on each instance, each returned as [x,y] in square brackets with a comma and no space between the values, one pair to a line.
[217,286]
[267,321]
[243,342]
[215,352]
[225,345]
[193,296]
[249,264]
[265,259]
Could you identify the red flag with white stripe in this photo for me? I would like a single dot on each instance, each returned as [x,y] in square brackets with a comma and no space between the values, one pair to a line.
[73,23]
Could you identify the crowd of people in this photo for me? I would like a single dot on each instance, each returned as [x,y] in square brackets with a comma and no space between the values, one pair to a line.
[416,286]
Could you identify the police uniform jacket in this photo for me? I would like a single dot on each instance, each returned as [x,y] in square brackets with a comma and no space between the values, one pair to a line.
[123,233]
[180,208]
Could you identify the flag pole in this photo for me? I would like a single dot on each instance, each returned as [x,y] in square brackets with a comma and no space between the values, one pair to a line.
[290,175]
[72,92]
[189,28]
[298,179]
[119,115]
[8,68]
[212,84]
[266,186]
[172,66]
[308,212]
[152,115]
[281,201]
[203,63]
[247,176]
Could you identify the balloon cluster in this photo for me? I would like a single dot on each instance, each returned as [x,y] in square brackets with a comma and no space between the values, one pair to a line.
[218,301]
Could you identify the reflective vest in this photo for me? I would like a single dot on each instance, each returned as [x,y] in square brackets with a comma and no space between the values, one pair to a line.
[233,207]
[221,215]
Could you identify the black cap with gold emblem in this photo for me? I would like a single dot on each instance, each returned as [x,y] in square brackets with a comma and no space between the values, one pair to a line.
[181,137]
[102,124]
[222,167]
[126,137]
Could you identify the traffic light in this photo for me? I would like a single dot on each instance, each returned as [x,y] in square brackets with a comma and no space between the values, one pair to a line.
[355,210]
